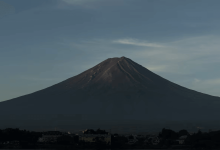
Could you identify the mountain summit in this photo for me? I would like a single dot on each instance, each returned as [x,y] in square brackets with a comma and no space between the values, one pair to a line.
[115,91]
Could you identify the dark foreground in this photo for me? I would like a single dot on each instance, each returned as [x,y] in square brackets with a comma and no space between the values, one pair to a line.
[166,139]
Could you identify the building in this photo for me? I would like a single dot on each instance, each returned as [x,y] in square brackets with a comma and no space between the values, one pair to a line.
[50,136]
[155,140]
[15,142]
[181,139]
[132,141]
[91,137]
[11,144]
[127,135]
[140,136]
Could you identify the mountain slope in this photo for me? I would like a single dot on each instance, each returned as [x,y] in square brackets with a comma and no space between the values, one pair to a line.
[115,90]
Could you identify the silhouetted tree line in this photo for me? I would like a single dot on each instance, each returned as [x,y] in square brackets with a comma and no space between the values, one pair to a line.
[167,138]
[197,140]
[26,139]
[29,139]
[98,131]
[204,140]
[170,134]
[11,134]
[67,139]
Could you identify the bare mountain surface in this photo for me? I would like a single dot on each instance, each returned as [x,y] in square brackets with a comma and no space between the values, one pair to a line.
[116,91]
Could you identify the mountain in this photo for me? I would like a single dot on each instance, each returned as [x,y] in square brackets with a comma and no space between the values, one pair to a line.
[115,92]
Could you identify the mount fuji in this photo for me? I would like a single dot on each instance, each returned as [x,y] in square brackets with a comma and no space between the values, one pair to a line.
[115,92]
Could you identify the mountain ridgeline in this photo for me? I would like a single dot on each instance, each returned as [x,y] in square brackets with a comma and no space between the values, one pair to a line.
[117,91]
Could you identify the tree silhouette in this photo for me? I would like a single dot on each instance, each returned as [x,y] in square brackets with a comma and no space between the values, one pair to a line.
[130,137]
[65,140]
[99,142]
[118,142]
[199,132]
[90,131]
[183,132]
[168,134]
[99,131]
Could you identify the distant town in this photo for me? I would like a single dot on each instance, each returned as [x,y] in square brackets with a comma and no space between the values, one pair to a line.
[12,138]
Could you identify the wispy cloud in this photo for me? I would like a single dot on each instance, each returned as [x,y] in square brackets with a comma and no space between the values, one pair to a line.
[185,56]
[188,55]
[79,2]
[136,42]
[67,4]
[211,82]
[196,80]
[92,45]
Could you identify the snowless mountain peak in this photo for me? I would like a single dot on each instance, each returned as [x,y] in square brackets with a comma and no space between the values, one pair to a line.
[115,89]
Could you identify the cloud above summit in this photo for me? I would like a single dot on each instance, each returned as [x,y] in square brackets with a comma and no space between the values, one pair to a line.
[160,56]
[79,2]
[136,42]
[86,4]
[180,58]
